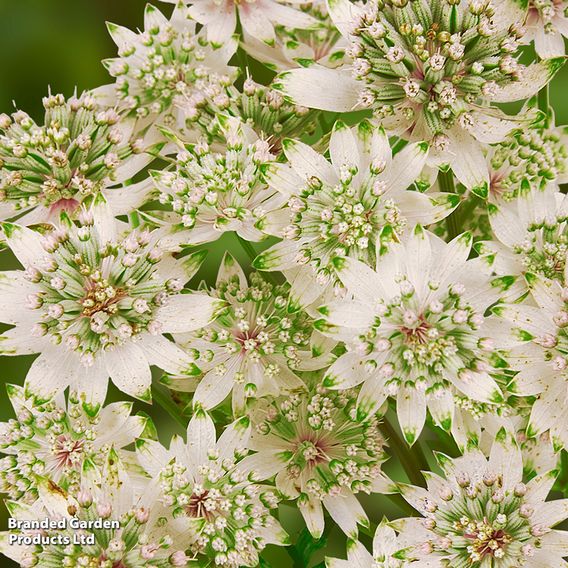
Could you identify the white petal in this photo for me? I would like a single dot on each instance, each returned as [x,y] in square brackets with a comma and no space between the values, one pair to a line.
[188,312]
[129,370]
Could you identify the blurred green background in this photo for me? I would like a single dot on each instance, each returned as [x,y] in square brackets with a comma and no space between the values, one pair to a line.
[60,44]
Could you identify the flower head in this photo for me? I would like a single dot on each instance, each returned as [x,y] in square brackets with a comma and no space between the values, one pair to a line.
[415,329]
[532,237]
[166,61]
[480,513]
[115,520]
[547,26]
[341,209]
[95,301]
[211,192]
[321,454]
[225,516]
[57,441]
[258,344]
[80,151]
[536,336]
[429,72]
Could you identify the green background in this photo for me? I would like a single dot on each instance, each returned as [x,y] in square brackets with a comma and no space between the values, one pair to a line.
[60,44]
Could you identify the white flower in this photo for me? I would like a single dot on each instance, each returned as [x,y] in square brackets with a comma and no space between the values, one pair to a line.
[257,345]
[258,18]
[531,236]
[224,516]
[293,48]
[537,340]
[534,158]
[139,530]
[343,208]
[88,330]
[212,192]
[414,92]
[81,150]
[321,455]
[385,546]
[58,440]
[166,62]
[480,513]
[415,329]
[547,26]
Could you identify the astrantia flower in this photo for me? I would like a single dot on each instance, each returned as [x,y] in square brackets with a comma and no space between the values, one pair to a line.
[429,71]
[94,303]
[258,18]
[385,546]
[340,209]
[166,61]
[292,48]
[258,343]
[211,192]
[537,341]
[547,26]
[81,150]
[56,440]
[322,455]
[144,537]
[415,330]
[533,158]
[532,233]
[481,514]
[224,517]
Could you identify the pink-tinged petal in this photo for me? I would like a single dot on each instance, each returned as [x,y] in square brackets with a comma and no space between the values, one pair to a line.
[411,412]
[201,438]
[168,356]
[348,371]
[281,256]
[235,438]
[468,162]
[343,147]
[308,163]
[124,199]
[312,511]
[153,18]
[215,386]
[152,456]
[406,166]
[343,13]
[346,511]
[222,26]
[188,312]
[426,208]
[284,179]
[490,129]
[230,268]
[18,341]
[478,386]
[348,313]
[256,23]
[547,294]
[549,44]
[54,370]
[454,256]
[24,243]
[321,88]
[539,487]
[129,370]
[532,79]
[117,427]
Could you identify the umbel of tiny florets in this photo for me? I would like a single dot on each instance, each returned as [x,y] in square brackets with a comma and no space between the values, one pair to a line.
[56,440]
[80,151]
[482,514]
[115,521]
[258,345]
[166,62]
[211,192]
[321,454]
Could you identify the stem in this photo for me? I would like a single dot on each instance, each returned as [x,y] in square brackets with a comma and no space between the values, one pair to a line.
[165,401]
[413,461]
[252,254]
[446,180]
[543,100]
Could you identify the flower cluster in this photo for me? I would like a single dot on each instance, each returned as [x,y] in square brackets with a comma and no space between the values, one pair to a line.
[313,239]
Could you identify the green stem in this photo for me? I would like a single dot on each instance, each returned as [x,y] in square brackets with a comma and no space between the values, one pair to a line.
[413,461]
[164,400]
[447,185]
[543,100]
[252,254]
